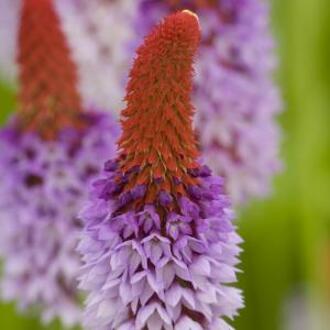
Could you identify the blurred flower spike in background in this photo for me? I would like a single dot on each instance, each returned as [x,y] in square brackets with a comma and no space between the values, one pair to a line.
[48,153]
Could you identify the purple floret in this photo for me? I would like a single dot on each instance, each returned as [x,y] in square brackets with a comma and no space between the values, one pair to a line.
[42,188]
[148,268]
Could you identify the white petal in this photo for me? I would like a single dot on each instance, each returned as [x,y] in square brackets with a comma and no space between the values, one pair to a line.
[144,313]
[173,295]
[187,323]
[201,266]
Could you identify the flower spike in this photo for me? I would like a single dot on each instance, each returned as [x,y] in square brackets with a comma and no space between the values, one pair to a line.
[46,160]
[49,100]
[159,245]
[157,123]
[237,100]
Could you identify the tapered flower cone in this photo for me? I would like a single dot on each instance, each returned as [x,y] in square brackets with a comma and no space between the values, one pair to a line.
[237,100]
[49,151]
[157,131]
[48,97]
[159,245]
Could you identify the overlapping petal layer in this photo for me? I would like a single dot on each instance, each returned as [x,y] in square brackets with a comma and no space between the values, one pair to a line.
[153,269]
[41,191]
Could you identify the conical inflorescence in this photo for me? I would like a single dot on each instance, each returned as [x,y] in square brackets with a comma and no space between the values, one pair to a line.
[49,100]
[159,246]
[49,150]
[157,123]
[234,91]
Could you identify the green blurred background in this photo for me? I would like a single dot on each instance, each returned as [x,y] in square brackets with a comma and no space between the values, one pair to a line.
[286,261]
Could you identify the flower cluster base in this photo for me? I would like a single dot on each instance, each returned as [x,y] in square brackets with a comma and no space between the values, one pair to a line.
[159,267]
[40,195]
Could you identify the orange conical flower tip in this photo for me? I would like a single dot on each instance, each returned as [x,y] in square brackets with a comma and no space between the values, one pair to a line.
[49,100]
[157,136]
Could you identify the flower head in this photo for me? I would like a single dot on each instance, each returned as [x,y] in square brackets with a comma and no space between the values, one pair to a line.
[236,99]
[159,246]
[49,150]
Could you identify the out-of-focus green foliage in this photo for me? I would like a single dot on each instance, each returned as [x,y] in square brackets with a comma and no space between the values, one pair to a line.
[7,101]
[284,234]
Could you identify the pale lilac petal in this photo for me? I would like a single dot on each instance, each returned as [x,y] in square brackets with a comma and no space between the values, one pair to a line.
[40,228]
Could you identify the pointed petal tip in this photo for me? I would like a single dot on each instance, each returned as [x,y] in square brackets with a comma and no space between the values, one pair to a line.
[191,13]
[189,21]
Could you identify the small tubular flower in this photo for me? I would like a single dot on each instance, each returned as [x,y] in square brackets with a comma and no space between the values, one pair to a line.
[236,98]
[49,150]
[159,246]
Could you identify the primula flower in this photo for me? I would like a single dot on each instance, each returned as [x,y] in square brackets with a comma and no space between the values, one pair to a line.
[236,98]
[49,150]
[159,247]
